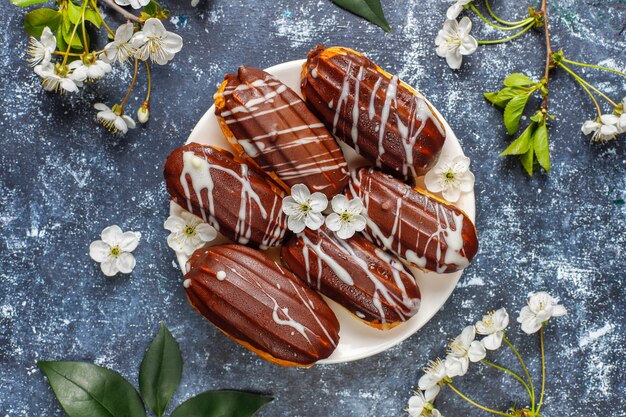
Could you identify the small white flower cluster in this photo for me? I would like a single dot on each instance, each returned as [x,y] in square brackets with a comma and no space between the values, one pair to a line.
[606,127]
[464,348]
[450,177]
[151,42]
[304,210]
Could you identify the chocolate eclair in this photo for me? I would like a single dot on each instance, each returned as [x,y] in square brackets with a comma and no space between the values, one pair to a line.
[371,283]
[260,305]
[268,122]
[426,231]
[239,201]
[374,112]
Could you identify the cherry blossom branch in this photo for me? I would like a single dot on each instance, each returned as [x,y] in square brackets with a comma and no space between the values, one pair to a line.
[121,10]
[523,364]
[549,63]
[474,403]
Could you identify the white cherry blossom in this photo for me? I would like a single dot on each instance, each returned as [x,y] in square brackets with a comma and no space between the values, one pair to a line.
[346,218]
[493,325]
[56,77]
[120,49]
[155,43]
[114,118]
[455,10]
[90,68]
[434,374]
[463,349]
[304,209]
[604,128]
[113,252]
[451,177]
[41,50]
[454,41]
[135,4]
[421,404]
[188,232]
[541,307]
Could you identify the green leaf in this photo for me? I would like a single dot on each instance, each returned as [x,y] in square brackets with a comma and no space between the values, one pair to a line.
[221,404]
[518,80]
[513,112]
[492,97]
[85,390]
[37,20]
[542,150]
[26,3]
[520,145]
[93,17]
[528,159]
[160,371]
[370,10]
[74,12]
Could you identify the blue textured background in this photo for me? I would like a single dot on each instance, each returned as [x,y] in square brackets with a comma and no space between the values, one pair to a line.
[63,179]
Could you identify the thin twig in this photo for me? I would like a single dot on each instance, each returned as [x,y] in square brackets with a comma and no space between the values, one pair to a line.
[475,404]
[121,10]
[546,76]
[543,369]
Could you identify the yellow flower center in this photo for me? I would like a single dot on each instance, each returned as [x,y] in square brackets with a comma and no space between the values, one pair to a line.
[189,231]
[116,251]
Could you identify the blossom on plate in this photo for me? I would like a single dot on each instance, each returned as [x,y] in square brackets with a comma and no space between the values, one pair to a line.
[604,128]
[492,325]
[56,77]
[451,177]
[304,209]
[434,374]
[90,68]
[455,10]
[462,350]
[155,43]
[421,404]
[454,41]
[188,232]
[135,4]
[114,118]
[120,49]
[541,307]
[113,252]
[346,219]
[41,50]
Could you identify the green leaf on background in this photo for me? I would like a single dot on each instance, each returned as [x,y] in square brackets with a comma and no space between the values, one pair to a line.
[518,80]
[37,20]
[513,112]
[61,44]
[84,390]
[520,145]
[74,12]
[370,10]
[528,160]
[542,150]
[25,3]
[94,17]
[160,371]
[153,9]
[221,404]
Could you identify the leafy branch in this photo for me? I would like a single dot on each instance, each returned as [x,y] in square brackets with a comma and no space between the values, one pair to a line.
[84,389]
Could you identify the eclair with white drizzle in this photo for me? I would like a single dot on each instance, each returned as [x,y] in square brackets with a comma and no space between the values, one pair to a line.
[369,282]
[260,305]
[240,202]
[267,122]
[381,117]
[426,231]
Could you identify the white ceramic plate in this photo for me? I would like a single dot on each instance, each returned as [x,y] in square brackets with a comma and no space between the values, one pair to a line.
[357,340]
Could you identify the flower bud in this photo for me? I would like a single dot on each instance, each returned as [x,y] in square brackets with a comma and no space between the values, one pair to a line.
[143,114]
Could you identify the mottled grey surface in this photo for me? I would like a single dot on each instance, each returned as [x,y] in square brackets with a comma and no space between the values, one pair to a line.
[63,179]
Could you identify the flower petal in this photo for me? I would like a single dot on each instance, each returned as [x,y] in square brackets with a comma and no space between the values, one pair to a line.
[346,231]
[452,193]
[129,241]
[359,223]
[111,235]
[333,221]
[468,45]
[206,232]
[109,267]
[296,223]
[290,207]
[476,351]
[174,224]
[314,220]
[125,263]
[300,193]
[318,202]
[339,203]
[99,251]
[493,341]
[454,59]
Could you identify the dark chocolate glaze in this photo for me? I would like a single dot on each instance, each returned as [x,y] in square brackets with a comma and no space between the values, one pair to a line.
[371,283]
[391,125]
[426,231]
[244,205]
[259,304]
[269,122]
